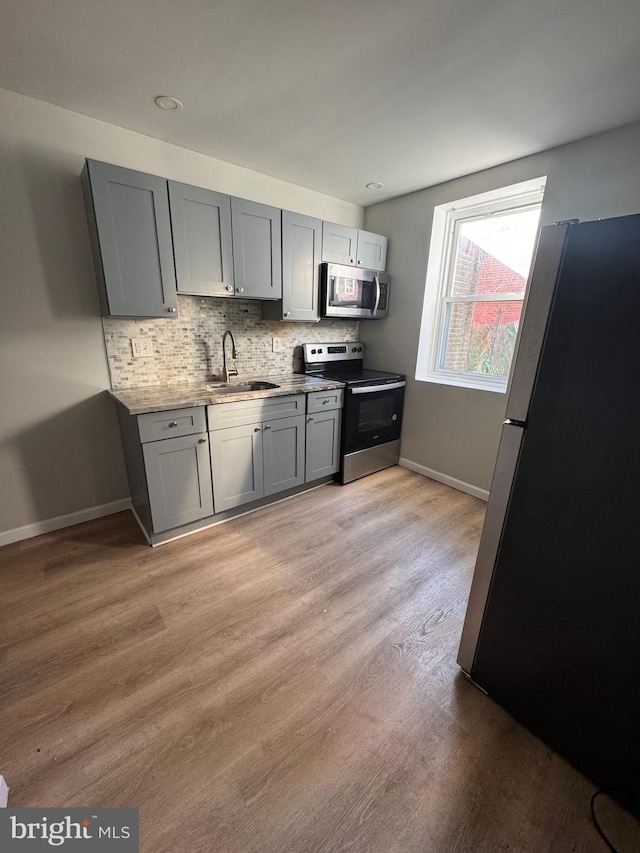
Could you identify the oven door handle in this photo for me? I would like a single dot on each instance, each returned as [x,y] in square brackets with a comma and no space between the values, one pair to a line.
[374,312]
[371,389]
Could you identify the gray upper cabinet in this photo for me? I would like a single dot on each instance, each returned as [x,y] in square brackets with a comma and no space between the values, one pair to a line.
[351,247]
[201,223]
[130,230]
[339,243]
[301,253]
[372,251]
[257,249]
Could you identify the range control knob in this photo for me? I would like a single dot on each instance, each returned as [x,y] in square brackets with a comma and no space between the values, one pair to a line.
[320,350]
[313,352]
[359,349]
[354,349]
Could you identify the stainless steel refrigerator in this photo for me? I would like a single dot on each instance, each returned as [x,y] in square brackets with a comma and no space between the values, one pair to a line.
[552,630]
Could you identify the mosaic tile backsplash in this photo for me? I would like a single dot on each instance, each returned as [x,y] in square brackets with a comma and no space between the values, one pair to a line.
[189,349]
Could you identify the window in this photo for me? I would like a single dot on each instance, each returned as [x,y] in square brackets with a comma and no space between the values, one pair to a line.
[479,260]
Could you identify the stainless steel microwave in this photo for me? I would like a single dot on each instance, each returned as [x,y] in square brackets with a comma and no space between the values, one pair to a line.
[353,292]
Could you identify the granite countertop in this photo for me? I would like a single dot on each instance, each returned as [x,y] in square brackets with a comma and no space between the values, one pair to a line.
[160,398]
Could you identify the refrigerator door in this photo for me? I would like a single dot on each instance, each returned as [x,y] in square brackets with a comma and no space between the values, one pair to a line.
[508,454]
[560,639]
[544,276]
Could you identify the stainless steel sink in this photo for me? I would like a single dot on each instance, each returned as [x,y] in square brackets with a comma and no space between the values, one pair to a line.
[240,388]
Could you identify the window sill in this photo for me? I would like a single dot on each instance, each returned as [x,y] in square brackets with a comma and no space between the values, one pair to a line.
[461,382]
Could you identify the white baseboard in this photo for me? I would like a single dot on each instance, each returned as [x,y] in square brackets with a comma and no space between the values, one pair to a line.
[460,485]
[50,524]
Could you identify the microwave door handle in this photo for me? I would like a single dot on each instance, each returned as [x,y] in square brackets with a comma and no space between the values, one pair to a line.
[374,312]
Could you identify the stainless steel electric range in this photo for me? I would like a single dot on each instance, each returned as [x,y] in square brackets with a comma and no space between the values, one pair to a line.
[372,411]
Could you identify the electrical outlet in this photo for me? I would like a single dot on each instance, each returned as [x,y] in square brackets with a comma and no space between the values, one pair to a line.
[277,345]
[142,347]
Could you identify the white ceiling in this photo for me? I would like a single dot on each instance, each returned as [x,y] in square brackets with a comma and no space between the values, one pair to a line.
[331,94]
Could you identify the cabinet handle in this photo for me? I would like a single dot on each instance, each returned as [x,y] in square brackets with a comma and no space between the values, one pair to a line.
[257,429]
[286,313]
[324,402]
[229,287]
[173,424]
[202,441]
[172,310]
[267,426]
[309,420]
[239,289]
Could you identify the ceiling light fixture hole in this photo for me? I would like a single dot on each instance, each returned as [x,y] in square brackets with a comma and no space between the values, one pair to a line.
[166,102]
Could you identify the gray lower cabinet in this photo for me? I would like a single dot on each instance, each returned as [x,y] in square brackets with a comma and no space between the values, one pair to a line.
[252,461]
[179,480]
[168,466]
[324,420]
[257,249]
[301,253]
[201,224]
[237,465]
[130,232]
[257,448]
[283,443]
[323,444]
[179,474]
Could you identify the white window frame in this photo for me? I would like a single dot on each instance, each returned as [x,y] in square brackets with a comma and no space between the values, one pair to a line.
[447,220]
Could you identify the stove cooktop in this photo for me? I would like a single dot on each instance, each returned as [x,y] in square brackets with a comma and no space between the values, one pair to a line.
[359,376]
[343,362]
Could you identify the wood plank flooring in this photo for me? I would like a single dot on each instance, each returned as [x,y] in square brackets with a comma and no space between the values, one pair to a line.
[282,683]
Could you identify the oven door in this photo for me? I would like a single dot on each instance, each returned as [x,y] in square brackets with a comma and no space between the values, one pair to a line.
[372,415]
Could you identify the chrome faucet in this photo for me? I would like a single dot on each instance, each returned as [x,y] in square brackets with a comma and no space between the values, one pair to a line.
[226,371]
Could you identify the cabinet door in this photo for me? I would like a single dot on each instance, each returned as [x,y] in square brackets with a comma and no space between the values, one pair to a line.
[179,480]
[301,253]
[129,215]
[283,443]
[236,463]
[323,444]
[201,223]
[372,251]
[339,244]
[257,249]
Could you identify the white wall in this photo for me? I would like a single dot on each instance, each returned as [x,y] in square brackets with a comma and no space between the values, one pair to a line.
[455,431]
[59,442]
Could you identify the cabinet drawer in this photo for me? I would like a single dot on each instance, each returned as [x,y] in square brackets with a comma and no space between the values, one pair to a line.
[323,401]
[223,415]
[157,425]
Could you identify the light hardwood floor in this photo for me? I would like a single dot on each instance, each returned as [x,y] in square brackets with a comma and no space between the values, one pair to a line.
[282,683]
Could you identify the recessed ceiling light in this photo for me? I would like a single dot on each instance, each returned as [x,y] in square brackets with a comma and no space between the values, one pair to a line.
[375,185]
[166,102]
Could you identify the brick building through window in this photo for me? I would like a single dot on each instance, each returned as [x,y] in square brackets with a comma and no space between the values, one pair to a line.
[481,251]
